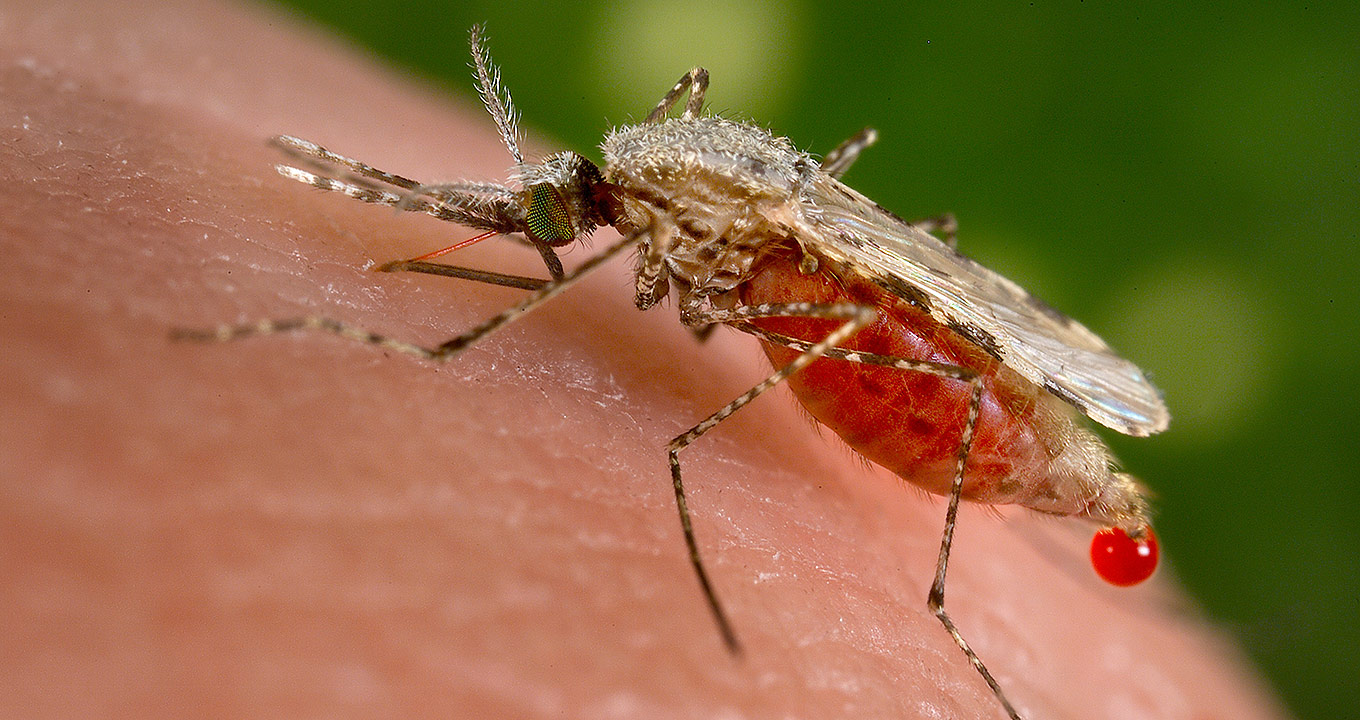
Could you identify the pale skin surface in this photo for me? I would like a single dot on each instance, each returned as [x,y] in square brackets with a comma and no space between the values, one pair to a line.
[299,526]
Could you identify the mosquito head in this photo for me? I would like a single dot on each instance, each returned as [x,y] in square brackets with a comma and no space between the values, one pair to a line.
[564,197]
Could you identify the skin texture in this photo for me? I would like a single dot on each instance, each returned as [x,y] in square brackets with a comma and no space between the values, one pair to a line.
[300,526]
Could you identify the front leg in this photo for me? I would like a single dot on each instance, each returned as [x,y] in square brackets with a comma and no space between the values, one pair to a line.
[655,242]
[442,352]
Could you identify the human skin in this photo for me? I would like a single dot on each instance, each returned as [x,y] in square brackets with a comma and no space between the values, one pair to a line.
[302,526]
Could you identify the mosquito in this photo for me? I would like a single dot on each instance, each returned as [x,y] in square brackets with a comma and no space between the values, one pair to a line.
[922,360]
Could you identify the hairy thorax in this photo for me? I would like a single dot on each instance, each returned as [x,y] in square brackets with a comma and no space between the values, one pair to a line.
[708,193]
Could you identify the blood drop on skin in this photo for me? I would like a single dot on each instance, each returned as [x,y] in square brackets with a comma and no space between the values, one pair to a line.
[1121,560]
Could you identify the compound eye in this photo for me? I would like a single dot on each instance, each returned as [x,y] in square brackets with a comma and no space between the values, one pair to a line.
[547,215]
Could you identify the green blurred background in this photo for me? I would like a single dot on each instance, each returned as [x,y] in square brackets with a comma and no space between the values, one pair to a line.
[1185,178]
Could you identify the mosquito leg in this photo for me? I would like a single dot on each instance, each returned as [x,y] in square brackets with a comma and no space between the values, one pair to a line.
[441,352]
[652,281]
[228,333]
[856,317]
[844,155]
[696,81]
[953,372]
[944,227]
[550,259]
[935,601]
[456,345]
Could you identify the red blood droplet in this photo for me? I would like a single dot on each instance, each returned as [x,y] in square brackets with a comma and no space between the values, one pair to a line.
[1121,560]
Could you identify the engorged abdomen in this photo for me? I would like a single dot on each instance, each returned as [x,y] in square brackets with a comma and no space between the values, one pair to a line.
[911,422]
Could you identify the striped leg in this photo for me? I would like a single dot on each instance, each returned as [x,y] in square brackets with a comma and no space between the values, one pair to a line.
[696,81]
[441,352]
[844,155]
[652,283]
[827,348]
[935,601]
[856,317]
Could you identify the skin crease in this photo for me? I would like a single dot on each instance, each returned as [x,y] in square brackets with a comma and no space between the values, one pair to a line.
[299,526]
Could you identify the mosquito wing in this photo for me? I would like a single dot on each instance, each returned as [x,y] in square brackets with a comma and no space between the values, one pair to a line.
[1041,344]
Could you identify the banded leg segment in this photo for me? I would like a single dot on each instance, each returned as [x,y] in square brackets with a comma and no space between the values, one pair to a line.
[812,351]
[935,601]
[945,370]
[652,283]
[844,155]
[441,352]
[696,82]
[856,318]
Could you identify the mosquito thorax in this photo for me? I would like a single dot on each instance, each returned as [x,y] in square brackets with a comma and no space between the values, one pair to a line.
[744,161]
[715,192]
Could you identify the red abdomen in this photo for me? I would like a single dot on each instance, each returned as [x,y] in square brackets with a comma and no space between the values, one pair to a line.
[908,421]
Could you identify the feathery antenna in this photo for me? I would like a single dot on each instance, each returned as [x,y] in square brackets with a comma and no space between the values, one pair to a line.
[494,97]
